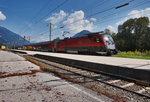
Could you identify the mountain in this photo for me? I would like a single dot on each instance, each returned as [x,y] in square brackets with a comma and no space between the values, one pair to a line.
[10,38]
[82,33]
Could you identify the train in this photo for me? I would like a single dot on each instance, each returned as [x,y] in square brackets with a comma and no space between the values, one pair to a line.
[98,42]
[3,47]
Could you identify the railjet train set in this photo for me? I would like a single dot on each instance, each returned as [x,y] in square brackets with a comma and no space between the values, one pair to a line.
[98,42]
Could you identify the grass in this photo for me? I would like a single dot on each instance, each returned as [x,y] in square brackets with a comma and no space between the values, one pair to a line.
[134,54]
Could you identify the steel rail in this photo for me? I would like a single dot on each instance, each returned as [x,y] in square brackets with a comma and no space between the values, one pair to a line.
[57,67]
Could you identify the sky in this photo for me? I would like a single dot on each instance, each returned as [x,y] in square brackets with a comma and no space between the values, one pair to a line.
[32,17]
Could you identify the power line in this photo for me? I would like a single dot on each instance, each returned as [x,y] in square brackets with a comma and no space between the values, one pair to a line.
[42,33]
[80,19]
[120,17]
[105,11]
[101,2]
[94,6]
[96,14]
[52,11]
[114,19]
[36,15]
[113,6]
[139,4]
[49,12]
[47,3]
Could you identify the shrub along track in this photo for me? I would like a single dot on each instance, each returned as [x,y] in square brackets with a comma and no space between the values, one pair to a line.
[116,88]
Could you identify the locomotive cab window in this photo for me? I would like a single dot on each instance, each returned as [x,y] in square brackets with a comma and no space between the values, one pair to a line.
[98,40]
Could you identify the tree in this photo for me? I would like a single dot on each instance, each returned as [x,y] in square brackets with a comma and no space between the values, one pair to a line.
[107,31]
[133,34]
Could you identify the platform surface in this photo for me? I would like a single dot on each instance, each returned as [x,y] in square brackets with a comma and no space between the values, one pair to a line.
[115,61]
[18,85]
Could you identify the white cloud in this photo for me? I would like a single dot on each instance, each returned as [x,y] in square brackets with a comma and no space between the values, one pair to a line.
[136,14]
[73,22]
[140,13]
[2,16]
[111,28]
[57,17]
[76,22]
[93,19]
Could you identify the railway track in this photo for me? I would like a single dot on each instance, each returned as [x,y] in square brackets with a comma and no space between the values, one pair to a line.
[81,76]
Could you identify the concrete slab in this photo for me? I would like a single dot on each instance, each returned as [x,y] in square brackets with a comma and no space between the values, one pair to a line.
[115,61]
[135,69]
[40,86]
[5,56]
[17,67]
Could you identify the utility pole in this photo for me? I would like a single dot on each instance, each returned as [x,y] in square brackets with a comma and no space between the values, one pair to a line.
[29,38]
[24,39]
[50,34]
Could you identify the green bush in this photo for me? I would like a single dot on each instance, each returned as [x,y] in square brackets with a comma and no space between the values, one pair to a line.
[135,53]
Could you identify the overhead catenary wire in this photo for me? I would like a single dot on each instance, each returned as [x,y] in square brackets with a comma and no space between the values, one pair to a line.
[52,11]
[65,2]
[96,4]
[36,15]
[139,4]
[113,7]
[132,7]
[101,12]
[81,19]
[120,17]
[89,8]
[95,14]
[106,20]
[58,6]
[101,3]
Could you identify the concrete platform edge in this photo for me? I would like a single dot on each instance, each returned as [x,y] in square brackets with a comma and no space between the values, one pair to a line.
[137,75]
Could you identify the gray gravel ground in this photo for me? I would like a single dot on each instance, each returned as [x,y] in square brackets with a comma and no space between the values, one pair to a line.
[128,96]
[39,86]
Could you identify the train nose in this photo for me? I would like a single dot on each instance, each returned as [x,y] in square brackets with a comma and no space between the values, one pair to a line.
[110,45]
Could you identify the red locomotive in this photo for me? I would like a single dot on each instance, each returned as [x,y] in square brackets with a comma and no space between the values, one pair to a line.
[92,43]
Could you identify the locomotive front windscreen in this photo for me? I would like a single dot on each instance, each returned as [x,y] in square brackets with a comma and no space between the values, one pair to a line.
[109,42]
[108,38]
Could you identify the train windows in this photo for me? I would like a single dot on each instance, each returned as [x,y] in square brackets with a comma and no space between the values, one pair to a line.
[98,40]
